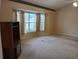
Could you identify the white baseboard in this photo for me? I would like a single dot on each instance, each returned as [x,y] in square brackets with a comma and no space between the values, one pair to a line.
[69,35]
[73,37]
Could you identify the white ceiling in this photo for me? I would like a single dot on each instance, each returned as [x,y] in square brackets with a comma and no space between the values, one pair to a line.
[53,4]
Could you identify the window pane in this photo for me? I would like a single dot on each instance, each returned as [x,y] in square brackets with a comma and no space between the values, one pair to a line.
[41,26]
[27,28]
[33,27]
[26,17]
[32,17]
[42,17]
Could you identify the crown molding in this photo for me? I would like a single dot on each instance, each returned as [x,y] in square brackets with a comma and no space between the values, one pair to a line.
[28,3]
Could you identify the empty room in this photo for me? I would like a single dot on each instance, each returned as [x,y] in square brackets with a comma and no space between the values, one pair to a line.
[38,29]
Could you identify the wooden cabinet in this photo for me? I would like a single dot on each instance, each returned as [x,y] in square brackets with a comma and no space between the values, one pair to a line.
[10,38]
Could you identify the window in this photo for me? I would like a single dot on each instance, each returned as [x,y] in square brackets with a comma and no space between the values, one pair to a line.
[30,22]
[42,22]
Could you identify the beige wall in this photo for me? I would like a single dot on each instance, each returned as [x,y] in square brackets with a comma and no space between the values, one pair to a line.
[5,11]
[66,21]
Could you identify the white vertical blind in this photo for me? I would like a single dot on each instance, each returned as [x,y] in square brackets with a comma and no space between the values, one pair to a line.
[18,16]
[42,21]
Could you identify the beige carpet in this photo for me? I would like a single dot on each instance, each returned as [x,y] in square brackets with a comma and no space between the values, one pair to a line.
[49,47]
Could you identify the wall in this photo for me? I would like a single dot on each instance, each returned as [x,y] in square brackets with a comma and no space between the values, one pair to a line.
[5,11]
[66,21]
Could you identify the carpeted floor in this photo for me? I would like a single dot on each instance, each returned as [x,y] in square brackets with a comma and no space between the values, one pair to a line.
[49,47]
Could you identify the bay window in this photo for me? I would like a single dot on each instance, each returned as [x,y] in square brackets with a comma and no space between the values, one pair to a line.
[31,22]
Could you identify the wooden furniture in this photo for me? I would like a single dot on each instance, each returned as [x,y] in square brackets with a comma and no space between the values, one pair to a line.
[10,37]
